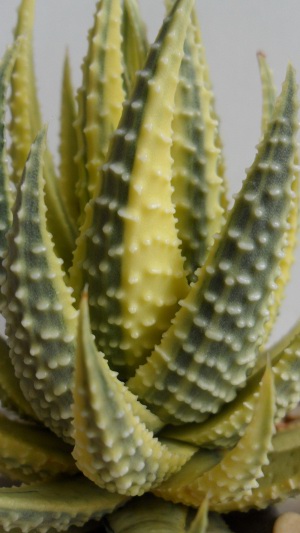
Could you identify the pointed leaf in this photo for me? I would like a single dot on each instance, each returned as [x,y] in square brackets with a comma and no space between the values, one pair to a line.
[238,471]
[6,66]
[113,447]
[135,44]
[24,106]
[41,321]
[269,98]
[25,124]
[200,522]
[268,90]
[68,146]
[206,355]
[198,184]
[11,395]
[54,505]
[281,478]
[226,427]
[149,514]
[129,233]
[101,96]
[31,453]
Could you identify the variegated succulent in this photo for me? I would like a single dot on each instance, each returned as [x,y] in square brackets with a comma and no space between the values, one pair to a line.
[138,306]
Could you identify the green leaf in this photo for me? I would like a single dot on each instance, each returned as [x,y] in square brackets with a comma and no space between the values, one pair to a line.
[100,97]
[213,342]
[281,477]
[236,475]
[11,395]
[41,320]
[268,90]
[24,126]
[113,447]
[130,233]
[54,505]
[135,44]
[149,514]
[6,67]
[68,146]
[31,453]
[197,177]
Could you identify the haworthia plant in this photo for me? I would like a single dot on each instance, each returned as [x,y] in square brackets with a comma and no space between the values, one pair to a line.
[138,394]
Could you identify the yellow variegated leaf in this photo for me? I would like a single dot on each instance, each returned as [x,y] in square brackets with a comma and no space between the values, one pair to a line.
[214,340]
[112,443]
[149,514]
[281,478]
[25,124]
[101,96]
[13,397]
[135,44]
[237,473]
[198,185]
[56,506]
[130,231]
[31,453]
[6,67]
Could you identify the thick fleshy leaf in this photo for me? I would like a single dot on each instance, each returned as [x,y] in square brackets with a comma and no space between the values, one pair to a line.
[113,447]
[200,522]
[41,320]
[281,477]
[24,126]
[68,146]
[130,236]
[6,66]
[148,514]
[198,184]
[11,395]
[31,453]
[237,473]
[135,44]
[225,428]
[269,91]
[269,97]
[100,97]
[214,340]
[55,506]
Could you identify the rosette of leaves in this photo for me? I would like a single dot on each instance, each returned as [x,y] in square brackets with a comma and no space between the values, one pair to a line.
[137,305]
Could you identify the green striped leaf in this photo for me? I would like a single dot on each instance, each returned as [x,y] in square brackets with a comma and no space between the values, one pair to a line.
[112,443]
[30,453]
[197,180]
[100,97]
[11,395]
[213,343]
[148,514]
[6,67]
[41,320]
[68,146]
[237,473]
[24,126]
[135,44]
[56,505]
[129,235]
[281,478]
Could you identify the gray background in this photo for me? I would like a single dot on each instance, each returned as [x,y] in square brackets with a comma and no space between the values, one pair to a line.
[233,31]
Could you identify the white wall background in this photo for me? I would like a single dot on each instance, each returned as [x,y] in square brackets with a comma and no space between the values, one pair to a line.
[233,31]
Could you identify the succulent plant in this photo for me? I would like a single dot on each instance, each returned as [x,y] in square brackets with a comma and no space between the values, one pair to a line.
[139,392]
